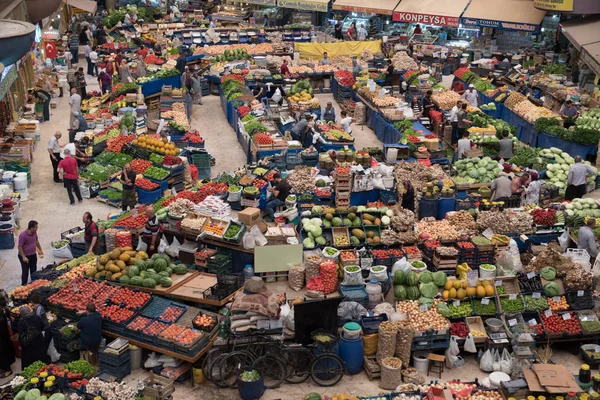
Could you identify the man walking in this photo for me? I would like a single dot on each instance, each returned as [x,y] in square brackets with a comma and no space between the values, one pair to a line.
[91,233]
[576,180]
[54,151]
[75,103]
[28,244]
[68,167]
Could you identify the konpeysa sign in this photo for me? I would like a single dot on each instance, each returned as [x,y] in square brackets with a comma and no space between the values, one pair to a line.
[489,23]
[425,19]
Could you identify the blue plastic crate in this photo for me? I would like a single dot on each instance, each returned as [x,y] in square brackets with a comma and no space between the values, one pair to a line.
[149,196]
[204,173]
[116,372]
[113,359]
[7,240]
[356,293]
[163,185]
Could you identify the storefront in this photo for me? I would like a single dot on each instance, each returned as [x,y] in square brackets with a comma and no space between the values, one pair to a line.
[362,13]
[512,15]
[304,11]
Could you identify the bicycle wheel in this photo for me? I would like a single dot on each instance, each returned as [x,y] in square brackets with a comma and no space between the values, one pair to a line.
[327,369]
[232,364]
[298,363]
[214,371]
[209,359]
[272,370]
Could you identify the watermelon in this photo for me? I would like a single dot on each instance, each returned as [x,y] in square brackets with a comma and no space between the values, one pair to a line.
[124,280]
[412,293]
[155,256]
[412,279]
[133,271]
[165,282]
[399,291]
[149,283]
[399,278]
[141,264]
[164,273]
[313,396]
[160,264]
[136,281]
[180,269]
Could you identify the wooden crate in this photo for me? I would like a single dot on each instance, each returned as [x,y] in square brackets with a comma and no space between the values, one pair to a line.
[510,284]
[163,392]
[476,324]
[341,231]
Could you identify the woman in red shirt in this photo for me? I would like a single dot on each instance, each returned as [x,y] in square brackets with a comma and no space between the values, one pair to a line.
[285,71]
[68,166]
[351,32]
[142,51]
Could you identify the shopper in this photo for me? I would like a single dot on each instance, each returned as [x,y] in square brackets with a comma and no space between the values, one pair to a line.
[124,73]
[417,107]
[189,103]
[506,146]
[91,233]
[68,167]
[151,233]
[94,60]
[337,31]
[75,103]
[278,195]
[54,151]
[463,145]
[586,239]
[186,77]
[90,326]
[442,36]
[325,60]
[118,59]
[181,63]
[7,349]
[73,47]
[408,198]
[87,49]
[569,113]
[362,33]
[80,83]
[356,67]
[31,340]
[346,121]
[105,81]
[197,88]
[351,32]
[463,122]
[454,122]
[576,179]
[471,96]
[428,103]
[532,193]
[300,127]
[285,70]
[43,97]
[501,187]
[40,312]
[519,184]
[28,244]
[389,71]
[328,114]
[128,180]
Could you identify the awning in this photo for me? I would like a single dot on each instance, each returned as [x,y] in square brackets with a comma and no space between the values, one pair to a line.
[430,12]
[307,5]
[582,31]
[591,56]
[517,15]
[85,5]
[374,7]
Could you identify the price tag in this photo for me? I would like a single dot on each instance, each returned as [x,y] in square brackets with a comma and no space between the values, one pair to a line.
[512,322]
[548,313]
[532,322]
[485,301]
[530,275]
[488,233]
[456,303]
[512,296]
[566,316]
[536,295]
[556,299]
[472,277]
[580,293]
[498,283]
[597,349]
[423,308]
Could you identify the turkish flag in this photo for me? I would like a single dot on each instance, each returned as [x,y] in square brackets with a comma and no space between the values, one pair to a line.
[50,49]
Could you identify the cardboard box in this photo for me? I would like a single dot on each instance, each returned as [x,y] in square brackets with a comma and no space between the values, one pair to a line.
[250,216]
[550,378]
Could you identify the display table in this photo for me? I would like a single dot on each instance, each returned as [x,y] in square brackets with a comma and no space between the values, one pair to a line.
[155,85]
[546,140]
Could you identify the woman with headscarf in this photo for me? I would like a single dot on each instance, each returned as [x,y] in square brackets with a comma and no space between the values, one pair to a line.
[408,198]
[140,67]
[532,192]
[124,73]
[7,350]
[31,340]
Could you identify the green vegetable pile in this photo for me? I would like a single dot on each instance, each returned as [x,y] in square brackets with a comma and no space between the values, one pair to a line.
[463,310]
[250,376]
[127,122]
[116,185]
[590,326]
[121,159]
[509,305]
[477,170]
[104,157]
[59,244]
[30,371]
[128,87]
[232,231]
[253,127]
[81,367]
[532,304]
[555,69]
[543,124]
[95,172]
[249,117]
[524,156]
[156,158]
[112,169]
[156,173]
[403,125]
[484,309]
[105,224]
[480,240]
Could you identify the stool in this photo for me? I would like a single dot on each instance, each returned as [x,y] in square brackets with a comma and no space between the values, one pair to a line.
[90,356]
[436,363]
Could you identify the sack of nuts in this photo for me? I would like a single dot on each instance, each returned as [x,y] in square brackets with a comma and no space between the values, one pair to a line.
[296,277]
[404,339]
[391,373]
[386,346]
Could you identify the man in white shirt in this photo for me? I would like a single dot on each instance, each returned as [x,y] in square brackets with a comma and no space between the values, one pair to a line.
[471,96]
[576,179]
[86,52]
[454,121]
[362,32]
[345,122]
[54,151]
[75,103]
[586,239]
[94,60]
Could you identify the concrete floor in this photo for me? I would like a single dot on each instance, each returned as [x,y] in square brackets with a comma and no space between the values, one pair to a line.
[48,204]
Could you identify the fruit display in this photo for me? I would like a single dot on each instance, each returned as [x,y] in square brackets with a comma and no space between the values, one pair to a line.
[300,91]
[161,146]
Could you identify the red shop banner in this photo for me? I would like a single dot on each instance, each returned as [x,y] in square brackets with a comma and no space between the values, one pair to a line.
[425,19]
[50,48]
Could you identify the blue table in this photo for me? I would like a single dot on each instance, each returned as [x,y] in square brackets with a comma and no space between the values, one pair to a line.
[546,140]
[362,198]
[155,85]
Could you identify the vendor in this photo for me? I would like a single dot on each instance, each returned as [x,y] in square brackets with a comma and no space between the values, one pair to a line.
[417,30]
[142,51]
[140,67]
[90,326]
[454,122]
[328,114]
[345,122]
[501,187]
[428,103]
[318,140]
[257,91]
[576,179]
[506,146]
[300,127]
[389,71]
[351,32]
[408,198]
[79,125]
[464,145]
[285,70]
[356,67]
[151,233]
[569,113]
[90,234]
[491,78]
[471,96]
[127,178]
[325,60]
[519,184]
[458,86]
[586,239]
[417,108]
[278,195]
[442,36]
[463,122]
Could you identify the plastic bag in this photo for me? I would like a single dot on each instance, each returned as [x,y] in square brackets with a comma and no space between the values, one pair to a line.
[248,241]
[142,246]
[377,181]
[486,363]
[286,315]
[163,245]
[52,352]
[63,253]
[152,361]
[353,278]
[470,344]
[496,366]
[401,265]
[564,240]
[506,362]
[259,238]
[351,311]
[384,308]
[379,276]
[452,353]
[334,255]
[276,96]
[509,260]
[370,344]
[173,249]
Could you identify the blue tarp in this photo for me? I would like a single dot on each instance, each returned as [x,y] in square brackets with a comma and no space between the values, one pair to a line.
[155,85]
[362,198]
[546,140]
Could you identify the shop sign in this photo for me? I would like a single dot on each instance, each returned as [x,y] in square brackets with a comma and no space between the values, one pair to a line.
[425,19]
[8,77]
[554,5]
[363,10]
[303,5]
[489,23]
[270,3]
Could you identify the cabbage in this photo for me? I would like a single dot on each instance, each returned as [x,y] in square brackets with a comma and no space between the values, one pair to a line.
[321,240]
[473,173]
[548,273]
[425,300]
[439,278]
[482,171]
[425,277]
[308,243]
[551,289]
[317,231]
[443,309]
[428,289]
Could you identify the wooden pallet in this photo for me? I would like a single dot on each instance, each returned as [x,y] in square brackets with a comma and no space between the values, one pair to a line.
[116,204]
[372,369]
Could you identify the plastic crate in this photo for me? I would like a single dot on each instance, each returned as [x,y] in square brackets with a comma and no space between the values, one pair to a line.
[354,293]
[204,173]
[116,372]
[156,307]
[148,196]
[113,359]
[219,292]
[201,160]
[235,280]
[371,324]
[180,307]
